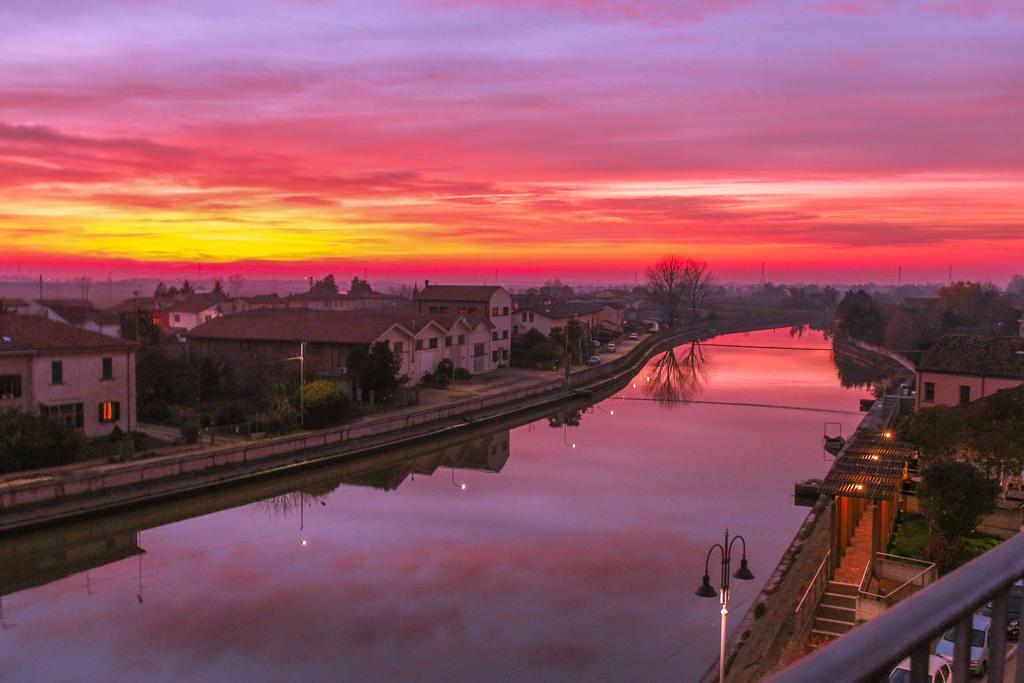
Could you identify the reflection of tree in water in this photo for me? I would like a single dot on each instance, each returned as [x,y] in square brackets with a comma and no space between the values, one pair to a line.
[677,376]
[855,373]
[797,331]
[288,503]
[567,417]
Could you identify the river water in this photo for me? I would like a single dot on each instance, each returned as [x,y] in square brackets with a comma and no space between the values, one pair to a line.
[567,549]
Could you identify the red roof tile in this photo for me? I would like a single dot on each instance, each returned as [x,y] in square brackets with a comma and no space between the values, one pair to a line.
[26,333]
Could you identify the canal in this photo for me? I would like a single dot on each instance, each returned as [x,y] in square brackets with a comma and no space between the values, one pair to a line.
[565,549]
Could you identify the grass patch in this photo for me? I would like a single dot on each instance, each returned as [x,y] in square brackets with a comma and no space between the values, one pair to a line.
[911,540]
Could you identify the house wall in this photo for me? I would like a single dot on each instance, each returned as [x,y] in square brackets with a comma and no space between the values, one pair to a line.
[83,383]
[497,309]
[947,387]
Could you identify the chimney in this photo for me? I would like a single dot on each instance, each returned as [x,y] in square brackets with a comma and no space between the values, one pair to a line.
[426,283]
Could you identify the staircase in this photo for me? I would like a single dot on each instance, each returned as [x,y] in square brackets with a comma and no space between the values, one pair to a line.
[836,613]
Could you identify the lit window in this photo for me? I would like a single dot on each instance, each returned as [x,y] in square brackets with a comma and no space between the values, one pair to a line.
[110,411]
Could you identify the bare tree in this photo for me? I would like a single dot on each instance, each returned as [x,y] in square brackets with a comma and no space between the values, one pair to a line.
[665,282]
[697,284]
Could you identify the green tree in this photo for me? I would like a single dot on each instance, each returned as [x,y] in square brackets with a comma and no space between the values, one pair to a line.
[218,287]
[382,374]
[954,497]
[996,433]
[326,284]
[187,288]
[858,316]
[445,371]
[30,441]
[359,287]
[937,432]
[325,404]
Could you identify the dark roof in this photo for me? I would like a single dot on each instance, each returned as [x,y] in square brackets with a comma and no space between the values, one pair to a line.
[312,295]
[263,299]
[13,303]
[25,333]
[565,310]
[457,292]
[78,311]
[190,305]
[870,465]
[965,354]
[303,324]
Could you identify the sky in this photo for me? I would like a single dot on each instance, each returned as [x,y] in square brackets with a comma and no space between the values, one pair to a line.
[831,140]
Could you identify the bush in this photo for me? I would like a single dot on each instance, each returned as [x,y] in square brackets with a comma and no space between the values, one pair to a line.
[445,369]
[325,404]
[29,441]
[190,430]
[462,375]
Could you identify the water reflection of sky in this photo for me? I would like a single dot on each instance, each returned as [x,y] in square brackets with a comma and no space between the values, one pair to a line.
[571,564]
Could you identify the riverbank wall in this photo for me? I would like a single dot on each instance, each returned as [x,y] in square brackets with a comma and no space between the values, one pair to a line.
[48,497]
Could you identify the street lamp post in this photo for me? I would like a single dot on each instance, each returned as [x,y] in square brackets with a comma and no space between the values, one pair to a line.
[302,381]
[707,591]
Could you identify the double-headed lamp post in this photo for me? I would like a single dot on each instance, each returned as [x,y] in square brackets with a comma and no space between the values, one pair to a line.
[707,591]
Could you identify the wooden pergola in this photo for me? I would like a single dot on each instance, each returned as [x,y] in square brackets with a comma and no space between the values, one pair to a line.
[870,468]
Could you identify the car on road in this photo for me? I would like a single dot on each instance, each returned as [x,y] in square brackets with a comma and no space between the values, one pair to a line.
[1016,597]
[939,671]
[593,360]
[633,336]
[610,346]
[594,344]
[980,627]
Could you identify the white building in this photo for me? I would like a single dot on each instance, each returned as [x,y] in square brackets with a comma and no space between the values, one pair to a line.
[470,301]
[80,313]
[84,379]
[544,318]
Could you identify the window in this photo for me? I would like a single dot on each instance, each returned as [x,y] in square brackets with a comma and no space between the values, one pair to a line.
[10,386]
[929,391]
[965,394]
[478,350]
[433,342]
[494,336]
[494,310]
[177,318]
[110,411]
[495,355]
[68,414]
[448,341]
[531,316]
[462,339]
[504,354]
[438,309]
[504,310]
[396,347]
[108,368]
[523,316]
[504,334]
[57,372]
[419,344]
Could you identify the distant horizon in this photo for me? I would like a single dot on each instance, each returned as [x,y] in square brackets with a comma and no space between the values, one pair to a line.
[836,140]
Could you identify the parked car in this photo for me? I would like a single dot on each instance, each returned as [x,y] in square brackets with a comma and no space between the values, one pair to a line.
[633,336]
[594,344]
[611,347]
[980,627]
[593,360]
[1016,597]
[939,671]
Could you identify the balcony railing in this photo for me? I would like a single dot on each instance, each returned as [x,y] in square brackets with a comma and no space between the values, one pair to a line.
[909,628]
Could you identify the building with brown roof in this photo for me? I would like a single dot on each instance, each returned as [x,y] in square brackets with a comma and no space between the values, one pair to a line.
[489,301]
[80,313]
[960,368]
[257,339]
[83,378]
[596,317]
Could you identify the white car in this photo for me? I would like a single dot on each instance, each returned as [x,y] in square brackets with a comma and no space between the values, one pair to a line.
[633,336]
[611,347]
[939,671]
[980,628]
[594,360]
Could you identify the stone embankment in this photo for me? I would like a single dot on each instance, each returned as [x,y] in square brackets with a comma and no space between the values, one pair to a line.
[54,495]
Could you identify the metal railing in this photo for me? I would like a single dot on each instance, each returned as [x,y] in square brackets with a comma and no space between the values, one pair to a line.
[817,585]
[870,651]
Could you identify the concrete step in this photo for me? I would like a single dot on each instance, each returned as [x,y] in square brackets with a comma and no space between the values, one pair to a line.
[844,614]
[839,600]
[841,588]
[833,626]
[818,635]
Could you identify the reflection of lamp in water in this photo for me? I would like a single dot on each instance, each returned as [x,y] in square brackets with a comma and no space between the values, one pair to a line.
[461,486]
[565,437]
[303,541]
[707,591]
[138,544]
